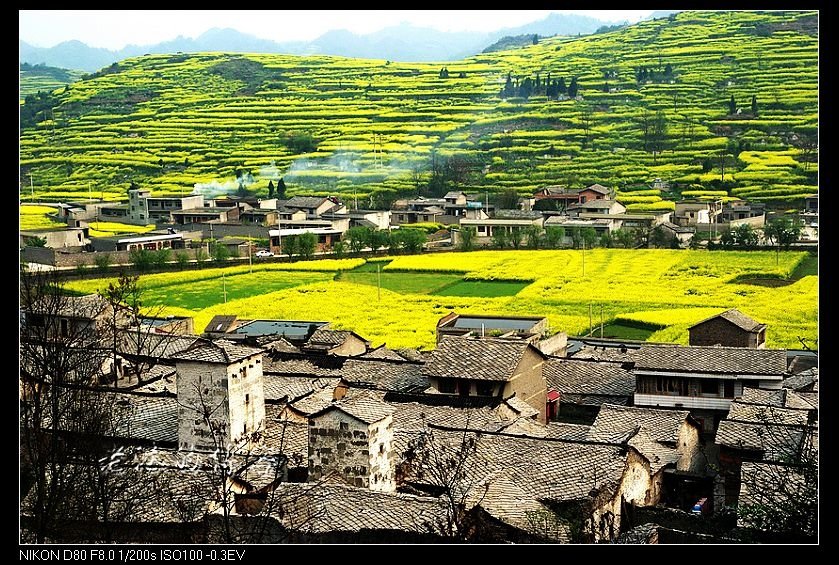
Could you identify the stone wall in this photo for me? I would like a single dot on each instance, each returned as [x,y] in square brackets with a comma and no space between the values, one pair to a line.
[723,332]
[341,443]
[528,383]
[382,456]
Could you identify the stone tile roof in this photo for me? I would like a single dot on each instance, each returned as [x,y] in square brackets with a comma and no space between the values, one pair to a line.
[158,346]
[150,418]
[323,508]
[476,358]
[715,359]
[759,485]
[279,345]
[658,454]
[524,409]
[219,351]
[328,337]
[617,423]
[384,375]
[296,366]
[775,442]
[160,379]
[766,414]
[304,202]
[316,402]
[589,352]
[365,406]
[803,380]
[782,398]
[598,188]
[737,318]
[285,436]
[382,352]
[583,377]
[600,203]
[291,389]
[88,306]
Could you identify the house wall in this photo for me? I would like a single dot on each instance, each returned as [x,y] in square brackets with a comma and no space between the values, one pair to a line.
[689,449]
[528,383]
[214,385]
[720,331]
[637,486]
[382,455]
[341,443]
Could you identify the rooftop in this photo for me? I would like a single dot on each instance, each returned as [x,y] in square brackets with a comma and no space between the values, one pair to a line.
[737,318]
[491,359]
[586,377]
[219,351]
[616,423]
[714,359]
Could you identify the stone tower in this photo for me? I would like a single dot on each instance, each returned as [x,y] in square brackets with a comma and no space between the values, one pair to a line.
[353,438]
[220,395]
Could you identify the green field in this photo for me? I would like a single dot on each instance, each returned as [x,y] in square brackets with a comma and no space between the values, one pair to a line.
[653,103]
[666,289]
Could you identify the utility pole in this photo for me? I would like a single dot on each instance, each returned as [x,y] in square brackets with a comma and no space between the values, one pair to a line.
[224,287]
[379,281]
[584,259]
[31,188]
[601,321]
[590,326]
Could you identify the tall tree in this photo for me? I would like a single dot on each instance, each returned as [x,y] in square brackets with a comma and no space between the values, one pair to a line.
[754,105]
[732,106]
[573,88]
[270,189]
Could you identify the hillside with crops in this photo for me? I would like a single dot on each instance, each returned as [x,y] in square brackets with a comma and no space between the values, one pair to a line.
[718,104]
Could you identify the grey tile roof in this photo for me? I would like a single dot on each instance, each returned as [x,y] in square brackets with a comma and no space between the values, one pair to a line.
[782,398]
[598,188]
[476,358]
[775,442]
[384,375]
[159,346]
[616,423]
[323,508]
[151,418]
[88,306]
[383,352]
[584,377]
[160,379]
[606,354]
[279,345]
[219,351]
[365,406]
[767,484]
[600,203]
[304,202]
[327,338]
[737,318]
[291,389]
[315,402]
[295,366]
[723,360]
[803,380]
[763,414]
[658,454]
[286,436]
[516,214]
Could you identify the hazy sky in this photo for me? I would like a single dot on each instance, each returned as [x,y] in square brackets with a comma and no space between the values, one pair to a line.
[114,29]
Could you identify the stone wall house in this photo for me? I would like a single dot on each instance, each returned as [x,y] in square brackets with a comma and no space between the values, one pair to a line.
[353,438]
[336,342]
[220,395]
[489,367]
[731,328]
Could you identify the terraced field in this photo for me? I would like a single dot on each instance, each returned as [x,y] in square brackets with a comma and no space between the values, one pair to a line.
[654,101]
[661,291]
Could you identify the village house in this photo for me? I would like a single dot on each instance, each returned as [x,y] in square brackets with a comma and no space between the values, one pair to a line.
[312,206]
[220,395]
[143,208]
[152,241]
[599,206]
[489,367]
[204,215]
[742,210]
[448,210]
[680,234]
[505,220]
[762,426]
[560,197]
[580,388]
[343,343]
[68,238]
[704,380]
[731,328]
[693,212]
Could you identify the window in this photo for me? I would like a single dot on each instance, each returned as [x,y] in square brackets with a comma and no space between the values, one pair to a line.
[485,388]
[709,386]
[381,449]
[245,428]
[247,398]
[446,385]
[345,426]
[729,389]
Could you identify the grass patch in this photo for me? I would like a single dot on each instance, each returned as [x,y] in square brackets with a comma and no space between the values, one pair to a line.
[484,289]
[625,330]
[809,266]
[205,293]
[403,283]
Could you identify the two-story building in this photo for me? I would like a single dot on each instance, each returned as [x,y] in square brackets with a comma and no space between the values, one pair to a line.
[143,208]
[490,368]
[731,328]
[704,380]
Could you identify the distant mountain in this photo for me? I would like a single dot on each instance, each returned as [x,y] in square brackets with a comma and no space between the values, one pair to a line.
[403,42]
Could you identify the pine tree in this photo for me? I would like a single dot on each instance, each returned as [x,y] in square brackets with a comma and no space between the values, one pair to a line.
[281,188]
[573,88]
[270,189]
[561,88]
[754,105]
[732,105]
[508,87]
[668,70]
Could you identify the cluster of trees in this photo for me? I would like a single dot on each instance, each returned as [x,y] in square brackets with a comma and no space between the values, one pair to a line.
[743,235]
[404,240]
[553,237]
[444,73]
[527,87]
[278,191]
[444,174]
[36,108]
[733,108]
[649,74]
[302,245]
